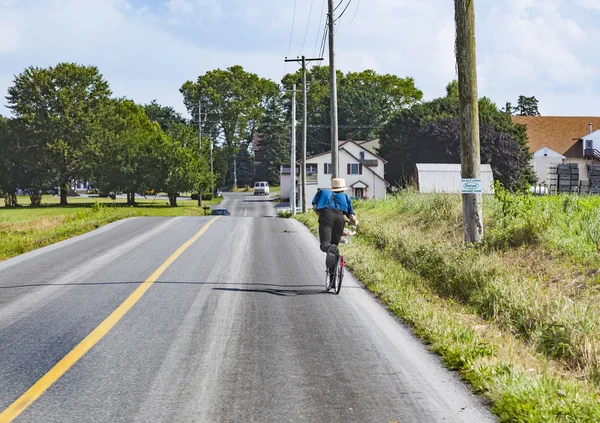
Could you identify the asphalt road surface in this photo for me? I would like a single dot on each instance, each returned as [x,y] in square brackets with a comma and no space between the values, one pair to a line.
[131,324]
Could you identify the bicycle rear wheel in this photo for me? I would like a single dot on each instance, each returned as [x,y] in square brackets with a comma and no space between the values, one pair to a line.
[330,278]
[339,278]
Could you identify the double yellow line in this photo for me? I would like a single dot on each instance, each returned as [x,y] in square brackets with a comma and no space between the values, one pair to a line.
[43,384]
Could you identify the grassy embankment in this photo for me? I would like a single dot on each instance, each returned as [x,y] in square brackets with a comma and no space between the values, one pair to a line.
[24,229]
[518,316]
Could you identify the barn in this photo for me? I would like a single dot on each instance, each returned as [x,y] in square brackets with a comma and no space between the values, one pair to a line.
[445,178]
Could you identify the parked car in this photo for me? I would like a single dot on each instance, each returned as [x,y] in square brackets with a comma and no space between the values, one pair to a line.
[220,212]
[261,188]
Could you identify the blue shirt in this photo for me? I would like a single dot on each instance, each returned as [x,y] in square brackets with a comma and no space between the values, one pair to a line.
[326,199]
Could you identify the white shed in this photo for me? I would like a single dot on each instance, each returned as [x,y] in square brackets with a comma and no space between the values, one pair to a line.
[541,159]
[445,178]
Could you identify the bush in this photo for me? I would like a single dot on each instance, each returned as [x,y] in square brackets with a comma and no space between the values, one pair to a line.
[206,197]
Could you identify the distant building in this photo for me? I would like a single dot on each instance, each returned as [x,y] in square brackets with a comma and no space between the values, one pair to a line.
[445,178]
[562,139]
[362,169]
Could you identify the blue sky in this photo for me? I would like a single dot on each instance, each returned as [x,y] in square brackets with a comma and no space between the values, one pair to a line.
[148,49]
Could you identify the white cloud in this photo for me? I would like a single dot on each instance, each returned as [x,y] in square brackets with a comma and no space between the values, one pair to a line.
[147,51]
[589,4]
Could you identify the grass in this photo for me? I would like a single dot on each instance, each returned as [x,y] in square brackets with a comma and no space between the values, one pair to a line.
[24,229]
[518,316]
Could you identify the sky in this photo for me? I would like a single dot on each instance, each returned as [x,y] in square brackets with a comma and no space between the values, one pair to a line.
[146,49]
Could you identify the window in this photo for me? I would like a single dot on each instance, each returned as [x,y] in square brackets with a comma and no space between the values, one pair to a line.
[311,172]
[362,155]
[327,168]
[589,144]
[354,169]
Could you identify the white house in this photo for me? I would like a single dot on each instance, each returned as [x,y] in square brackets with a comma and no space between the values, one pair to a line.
[591,144]
[541,159]
[445,178]
[362,169]
[562,139]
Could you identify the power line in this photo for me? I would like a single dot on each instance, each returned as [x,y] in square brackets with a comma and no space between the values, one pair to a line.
[292,32]
[319,26]
[343,11]
[355,11]
[307,25]
[313,125]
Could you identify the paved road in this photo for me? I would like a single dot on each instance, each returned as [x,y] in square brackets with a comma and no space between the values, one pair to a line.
[236,328]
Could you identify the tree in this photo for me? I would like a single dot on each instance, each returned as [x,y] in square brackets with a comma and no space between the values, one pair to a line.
[179,169]
[23,163]
[366,101]
[129,152]
[508,108]
[527,106]
[8,164]
[61,105]
[232,104]
[165,116]
[400,140]
[439,142]
[274,143]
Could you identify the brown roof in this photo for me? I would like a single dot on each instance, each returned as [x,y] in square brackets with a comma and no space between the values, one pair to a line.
[559,133]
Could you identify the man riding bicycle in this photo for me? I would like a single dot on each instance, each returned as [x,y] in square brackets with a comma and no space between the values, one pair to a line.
[331,205]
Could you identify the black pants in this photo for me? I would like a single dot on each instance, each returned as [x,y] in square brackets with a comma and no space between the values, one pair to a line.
[331,227]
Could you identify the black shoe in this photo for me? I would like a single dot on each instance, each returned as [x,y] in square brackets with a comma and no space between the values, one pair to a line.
[332,254]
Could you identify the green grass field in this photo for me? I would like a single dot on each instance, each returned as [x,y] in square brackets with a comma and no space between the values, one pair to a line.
[518,316]
[25,228]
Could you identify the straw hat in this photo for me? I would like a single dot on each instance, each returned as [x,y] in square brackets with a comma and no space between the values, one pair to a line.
[338,184]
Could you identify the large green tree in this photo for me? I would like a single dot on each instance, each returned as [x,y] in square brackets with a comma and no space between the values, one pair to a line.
[274,136]
[24,163]
[400,138]
[130,150]
[179,168]
[232,102]
[61,106]
[366,101]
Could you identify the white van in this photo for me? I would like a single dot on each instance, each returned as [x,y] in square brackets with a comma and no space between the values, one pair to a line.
[261,188]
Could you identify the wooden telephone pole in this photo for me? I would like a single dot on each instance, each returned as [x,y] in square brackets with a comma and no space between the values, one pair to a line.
[303,61]
[464,15]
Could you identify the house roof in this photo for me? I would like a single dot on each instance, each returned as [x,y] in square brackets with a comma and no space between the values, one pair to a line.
[367,167]
[446,167]
[371,145]
[343,143]
[559,133]
[359,184]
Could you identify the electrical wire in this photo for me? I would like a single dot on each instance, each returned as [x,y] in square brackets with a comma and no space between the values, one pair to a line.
[343,11]
[355,11]
[319,26]
[307,25]
[292,32]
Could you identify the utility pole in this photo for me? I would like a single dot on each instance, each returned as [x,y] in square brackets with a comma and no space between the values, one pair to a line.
[304,129]
[212,172]
[234,174]
[464,15]
[304,125]
[333,95]
[293,153]
[200,125]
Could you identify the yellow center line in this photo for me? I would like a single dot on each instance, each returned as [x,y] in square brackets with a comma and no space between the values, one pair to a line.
[42,385]
[245,210]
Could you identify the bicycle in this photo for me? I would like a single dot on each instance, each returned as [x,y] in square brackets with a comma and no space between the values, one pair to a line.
[334,278]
